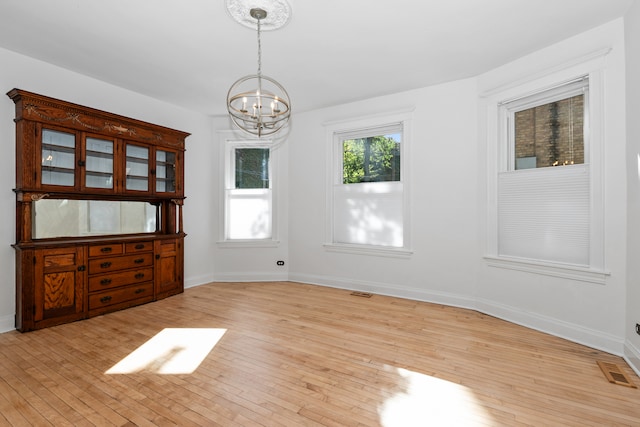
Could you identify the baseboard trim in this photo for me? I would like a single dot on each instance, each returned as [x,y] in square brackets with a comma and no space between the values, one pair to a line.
[197,281]
[569,331]
[386,289]
[549,325]
[632,357]
[7,323]
[250,277]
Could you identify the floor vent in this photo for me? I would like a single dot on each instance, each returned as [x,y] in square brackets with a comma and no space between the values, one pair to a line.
[614,374]
[361,294]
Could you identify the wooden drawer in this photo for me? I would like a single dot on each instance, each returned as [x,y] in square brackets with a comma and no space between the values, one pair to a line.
[105,265]
[138,247]
[123,278]
[104,250]
[142,292]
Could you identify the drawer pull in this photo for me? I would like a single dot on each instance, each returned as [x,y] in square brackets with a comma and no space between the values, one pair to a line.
[139,276]
[139,246]
[105,281]
[139,290]
[138,261]
[107,249]
[105,299]
[105,264]
[82,268]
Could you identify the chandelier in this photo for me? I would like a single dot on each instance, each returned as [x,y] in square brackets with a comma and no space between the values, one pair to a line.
[258,104]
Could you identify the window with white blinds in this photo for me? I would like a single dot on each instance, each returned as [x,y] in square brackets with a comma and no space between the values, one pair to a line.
[368,192]
[368,199]
[544,196]
[248,192]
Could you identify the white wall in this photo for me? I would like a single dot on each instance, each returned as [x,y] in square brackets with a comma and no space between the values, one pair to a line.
[442,180]
[39,77]
[632,41]
[585,312]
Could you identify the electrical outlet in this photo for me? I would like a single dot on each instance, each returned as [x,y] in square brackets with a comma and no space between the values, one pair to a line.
[638,328]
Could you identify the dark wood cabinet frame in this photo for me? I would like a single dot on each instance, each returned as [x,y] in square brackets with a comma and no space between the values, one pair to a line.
[65,279]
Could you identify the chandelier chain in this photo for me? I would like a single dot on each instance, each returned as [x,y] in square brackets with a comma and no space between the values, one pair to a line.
[259,51]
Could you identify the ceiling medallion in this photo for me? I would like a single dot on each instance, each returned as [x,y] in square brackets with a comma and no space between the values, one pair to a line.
[278,13]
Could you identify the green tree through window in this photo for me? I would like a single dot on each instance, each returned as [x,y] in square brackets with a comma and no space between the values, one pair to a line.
[252,167]
[371,159]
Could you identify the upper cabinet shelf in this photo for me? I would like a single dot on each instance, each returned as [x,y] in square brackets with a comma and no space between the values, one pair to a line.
[66,148]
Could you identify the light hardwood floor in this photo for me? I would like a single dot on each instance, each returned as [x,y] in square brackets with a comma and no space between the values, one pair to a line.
[302,355]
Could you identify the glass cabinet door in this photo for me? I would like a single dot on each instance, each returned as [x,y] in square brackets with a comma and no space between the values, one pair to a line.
[165,171]
[99,163]
[58,158]
[137,168]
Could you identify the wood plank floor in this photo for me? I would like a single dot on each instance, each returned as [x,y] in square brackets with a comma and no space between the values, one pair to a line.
[303,355]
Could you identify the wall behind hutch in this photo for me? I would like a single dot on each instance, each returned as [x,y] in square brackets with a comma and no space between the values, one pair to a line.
[200,178]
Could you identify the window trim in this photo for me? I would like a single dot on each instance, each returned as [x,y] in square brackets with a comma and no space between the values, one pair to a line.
[593,66]
[357,127]
[230,142]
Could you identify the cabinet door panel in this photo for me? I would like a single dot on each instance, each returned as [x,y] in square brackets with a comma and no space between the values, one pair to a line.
[59,282]
[137,168]
[58,153]
[98,163]
[59,290]
[166,171]
[168,267]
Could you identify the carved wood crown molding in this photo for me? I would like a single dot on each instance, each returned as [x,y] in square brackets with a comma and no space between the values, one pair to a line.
[75,117]
[43,109]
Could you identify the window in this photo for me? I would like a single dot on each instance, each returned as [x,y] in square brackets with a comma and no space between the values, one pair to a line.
[548,129]
[547,190]
[248,191]
[368,187]
[371,159]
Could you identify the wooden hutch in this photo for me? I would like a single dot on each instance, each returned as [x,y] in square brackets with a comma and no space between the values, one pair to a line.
[98,211]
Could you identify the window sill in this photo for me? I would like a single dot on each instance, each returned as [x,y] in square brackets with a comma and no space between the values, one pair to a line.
[549,269]
[368,250]
[237,244]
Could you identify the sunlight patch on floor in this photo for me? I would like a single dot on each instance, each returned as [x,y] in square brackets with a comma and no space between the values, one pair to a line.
[423,400]
[171,351]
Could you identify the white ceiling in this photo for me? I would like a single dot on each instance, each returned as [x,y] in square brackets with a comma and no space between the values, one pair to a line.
[331,52]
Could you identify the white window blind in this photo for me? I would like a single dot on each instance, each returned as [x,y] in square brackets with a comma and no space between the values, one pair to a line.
[544,214]
[369,214]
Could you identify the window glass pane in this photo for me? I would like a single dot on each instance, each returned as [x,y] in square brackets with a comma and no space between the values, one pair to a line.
[550,134]
[371,159]
[252,167]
